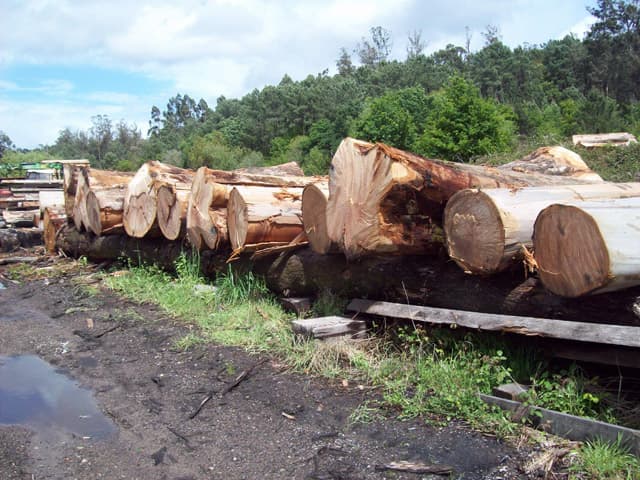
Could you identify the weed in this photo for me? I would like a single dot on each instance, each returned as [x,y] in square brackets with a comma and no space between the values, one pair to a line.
[189,341]
[364,413]
[599,459]
[328,303]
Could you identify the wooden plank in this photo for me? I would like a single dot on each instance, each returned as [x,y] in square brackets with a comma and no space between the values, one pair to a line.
[571,426]
[331,326]
[579,331]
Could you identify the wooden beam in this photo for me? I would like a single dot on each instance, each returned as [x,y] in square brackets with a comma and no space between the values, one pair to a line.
[579,331]
[332,326]
[571,426]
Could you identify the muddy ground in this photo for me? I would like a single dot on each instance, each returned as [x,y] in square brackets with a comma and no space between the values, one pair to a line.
[273,425]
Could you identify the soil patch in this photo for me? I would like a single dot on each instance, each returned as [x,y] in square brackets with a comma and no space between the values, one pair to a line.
[271,425]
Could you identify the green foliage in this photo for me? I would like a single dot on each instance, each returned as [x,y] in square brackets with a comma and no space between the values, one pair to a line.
[567,391]
[462,125]
[328,303]
[393,118]
[601,460]
[211,150]
[615,164]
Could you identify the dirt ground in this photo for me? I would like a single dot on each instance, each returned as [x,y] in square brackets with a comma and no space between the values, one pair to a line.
[272,425]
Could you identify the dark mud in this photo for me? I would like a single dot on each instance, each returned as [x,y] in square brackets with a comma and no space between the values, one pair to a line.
[272,425]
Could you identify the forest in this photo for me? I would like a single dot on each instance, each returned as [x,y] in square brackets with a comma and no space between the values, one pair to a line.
[455,104]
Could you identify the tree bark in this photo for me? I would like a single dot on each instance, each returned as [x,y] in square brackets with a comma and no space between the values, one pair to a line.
[588,247]
[140,199]
[488,231]
[314,216]
[53,219]
[264,216]
[206,211]
[386,201]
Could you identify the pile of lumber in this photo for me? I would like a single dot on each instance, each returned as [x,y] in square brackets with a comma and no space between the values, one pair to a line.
[380,212]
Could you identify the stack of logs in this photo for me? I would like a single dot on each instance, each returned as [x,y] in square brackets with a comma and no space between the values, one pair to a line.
[379,207]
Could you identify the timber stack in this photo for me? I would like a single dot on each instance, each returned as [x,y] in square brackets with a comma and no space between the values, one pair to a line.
[384,222]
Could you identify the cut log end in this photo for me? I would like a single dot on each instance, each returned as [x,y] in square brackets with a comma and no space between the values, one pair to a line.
[93,217]
[238,219]
[140,215]
[475,232]
[571,254]
[314,215]
[169,212]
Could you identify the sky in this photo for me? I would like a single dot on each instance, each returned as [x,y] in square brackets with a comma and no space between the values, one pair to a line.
[65,61]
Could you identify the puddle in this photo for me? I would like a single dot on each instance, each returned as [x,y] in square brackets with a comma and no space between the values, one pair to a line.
[34,394]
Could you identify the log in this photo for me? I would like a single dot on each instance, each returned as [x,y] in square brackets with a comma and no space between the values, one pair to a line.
[206,211]
[557,161]
[53,219]
[12,239]
[588,247]
[265,216]
[386,201]
[21,218]
[592,140]
[91,179]
[103,210]
[172,210]
[140,199]
[488,231]
[314,216]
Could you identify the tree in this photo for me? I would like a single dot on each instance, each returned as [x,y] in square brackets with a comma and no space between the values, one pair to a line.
[100,138]
[461,124]
[344,63]
[416,44]
[5,143]
[377,50]
[393,118]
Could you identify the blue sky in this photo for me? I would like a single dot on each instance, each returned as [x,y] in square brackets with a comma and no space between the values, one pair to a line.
[64,61]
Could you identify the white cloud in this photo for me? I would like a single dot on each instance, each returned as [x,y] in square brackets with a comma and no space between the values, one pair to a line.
[207,48]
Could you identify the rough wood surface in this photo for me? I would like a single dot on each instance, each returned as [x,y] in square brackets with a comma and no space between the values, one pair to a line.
[332,326]
[314,216]
[53,219]
[488,230]
[588,247]
[103,210]
[140,199]
[386,201]
[604,139]
[88,180]
[206,210]
[264,215]
[553,328]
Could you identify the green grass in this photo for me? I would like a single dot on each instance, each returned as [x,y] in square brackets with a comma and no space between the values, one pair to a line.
[601,460]
[434,374]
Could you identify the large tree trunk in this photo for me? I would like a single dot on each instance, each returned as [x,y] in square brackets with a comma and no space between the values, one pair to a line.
[488,231]
[206,211]
[589,247]
[386,201]
[53,219]
[94,180]
[140,199]
[397,278]
[314,216]
[265,216]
